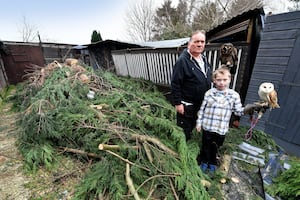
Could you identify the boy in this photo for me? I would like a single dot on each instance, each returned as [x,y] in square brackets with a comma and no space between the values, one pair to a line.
[214,116]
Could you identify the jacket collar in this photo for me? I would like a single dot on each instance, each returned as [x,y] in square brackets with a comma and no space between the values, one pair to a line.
[191,56]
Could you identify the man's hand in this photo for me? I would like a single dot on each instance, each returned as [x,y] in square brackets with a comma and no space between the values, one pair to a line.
[180,108]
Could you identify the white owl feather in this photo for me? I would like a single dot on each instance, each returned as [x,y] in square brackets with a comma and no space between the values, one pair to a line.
[268,95]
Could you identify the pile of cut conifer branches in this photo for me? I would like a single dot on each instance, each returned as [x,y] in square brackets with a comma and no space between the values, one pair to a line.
[127,129]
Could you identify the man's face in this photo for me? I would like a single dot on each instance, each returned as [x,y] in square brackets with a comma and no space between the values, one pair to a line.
[196,44]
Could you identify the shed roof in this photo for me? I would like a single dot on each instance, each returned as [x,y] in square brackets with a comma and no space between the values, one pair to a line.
[150,44]
[165,43]
[234,25]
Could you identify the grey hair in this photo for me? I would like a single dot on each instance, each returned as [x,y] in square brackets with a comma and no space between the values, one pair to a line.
[196,32]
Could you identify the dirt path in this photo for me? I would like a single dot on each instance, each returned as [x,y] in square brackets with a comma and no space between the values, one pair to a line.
[12,179]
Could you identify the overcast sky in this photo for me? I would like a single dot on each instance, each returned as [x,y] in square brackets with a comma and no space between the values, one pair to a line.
[72,22]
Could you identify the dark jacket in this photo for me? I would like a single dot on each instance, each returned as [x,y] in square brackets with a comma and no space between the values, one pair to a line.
[188,82]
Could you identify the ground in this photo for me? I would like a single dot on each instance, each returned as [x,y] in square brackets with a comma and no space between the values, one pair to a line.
[15,184]
[243,184]
[59,183]
[13,179]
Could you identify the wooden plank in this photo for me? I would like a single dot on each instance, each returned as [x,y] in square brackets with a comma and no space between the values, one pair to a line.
[160,79]
[130,65]
[140,65]
[167,63]
[150,67]
[153,65]
[282,35]
[163,67]
[272,60]
[283,25]
[144,67]
[169,68]
[133,64]
[282,17]
[274,68]
[284,52]
[282,43]
[237,70]
[157,67]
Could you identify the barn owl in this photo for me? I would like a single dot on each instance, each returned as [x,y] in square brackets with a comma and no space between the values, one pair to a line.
[229,57]
[268,95]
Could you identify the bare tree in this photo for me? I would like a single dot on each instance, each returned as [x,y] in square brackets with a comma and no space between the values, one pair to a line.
[140,20]
[238,7]
[174,21]
[28,31]
[208,15]
[296,5]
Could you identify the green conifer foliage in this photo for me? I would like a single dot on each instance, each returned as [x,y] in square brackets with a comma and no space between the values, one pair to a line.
[131,113]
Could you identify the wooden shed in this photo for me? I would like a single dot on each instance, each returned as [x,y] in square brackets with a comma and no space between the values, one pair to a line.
[278,61]
[101,53]
[18,57]
[15,57]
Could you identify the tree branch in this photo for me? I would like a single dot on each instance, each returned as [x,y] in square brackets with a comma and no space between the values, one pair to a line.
[115,147]
[130,183]
[126,160]
[144,138]
[77,151]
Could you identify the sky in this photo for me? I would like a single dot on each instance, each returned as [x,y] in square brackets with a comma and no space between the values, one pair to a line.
[65,21]
[72,22]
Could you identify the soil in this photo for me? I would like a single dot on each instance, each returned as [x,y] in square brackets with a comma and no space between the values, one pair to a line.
[15,184]
[13,179]
[243,184]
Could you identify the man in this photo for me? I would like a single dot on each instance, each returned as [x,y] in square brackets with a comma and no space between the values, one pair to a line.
[191,78]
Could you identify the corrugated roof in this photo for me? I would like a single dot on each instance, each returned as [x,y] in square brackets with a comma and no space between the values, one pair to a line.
[165,43]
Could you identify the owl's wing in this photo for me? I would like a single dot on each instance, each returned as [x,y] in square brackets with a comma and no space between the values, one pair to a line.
[235,56]
[273,99]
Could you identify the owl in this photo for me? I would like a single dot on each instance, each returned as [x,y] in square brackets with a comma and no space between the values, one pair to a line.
[268,95]
[229,56]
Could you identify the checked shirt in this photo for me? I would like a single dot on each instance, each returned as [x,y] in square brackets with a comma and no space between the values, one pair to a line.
[216,109]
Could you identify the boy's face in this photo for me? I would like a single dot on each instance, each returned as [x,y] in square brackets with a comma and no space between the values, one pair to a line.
[222,81]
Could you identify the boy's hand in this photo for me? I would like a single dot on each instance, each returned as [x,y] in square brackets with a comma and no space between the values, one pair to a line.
[198,128]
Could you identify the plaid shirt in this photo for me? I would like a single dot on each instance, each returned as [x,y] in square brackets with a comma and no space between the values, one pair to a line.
[216,109]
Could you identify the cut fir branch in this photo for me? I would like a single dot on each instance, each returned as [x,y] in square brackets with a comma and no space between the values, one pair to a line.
[134,115]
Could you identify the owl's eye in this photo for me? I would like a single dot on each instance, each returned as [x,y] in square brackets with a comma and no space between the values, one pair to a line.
[265,87]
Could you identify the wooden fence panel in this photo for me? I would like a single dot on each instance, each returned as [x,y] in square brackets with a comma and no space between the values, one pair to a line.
[156,65]
[153,65]
[120,61]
